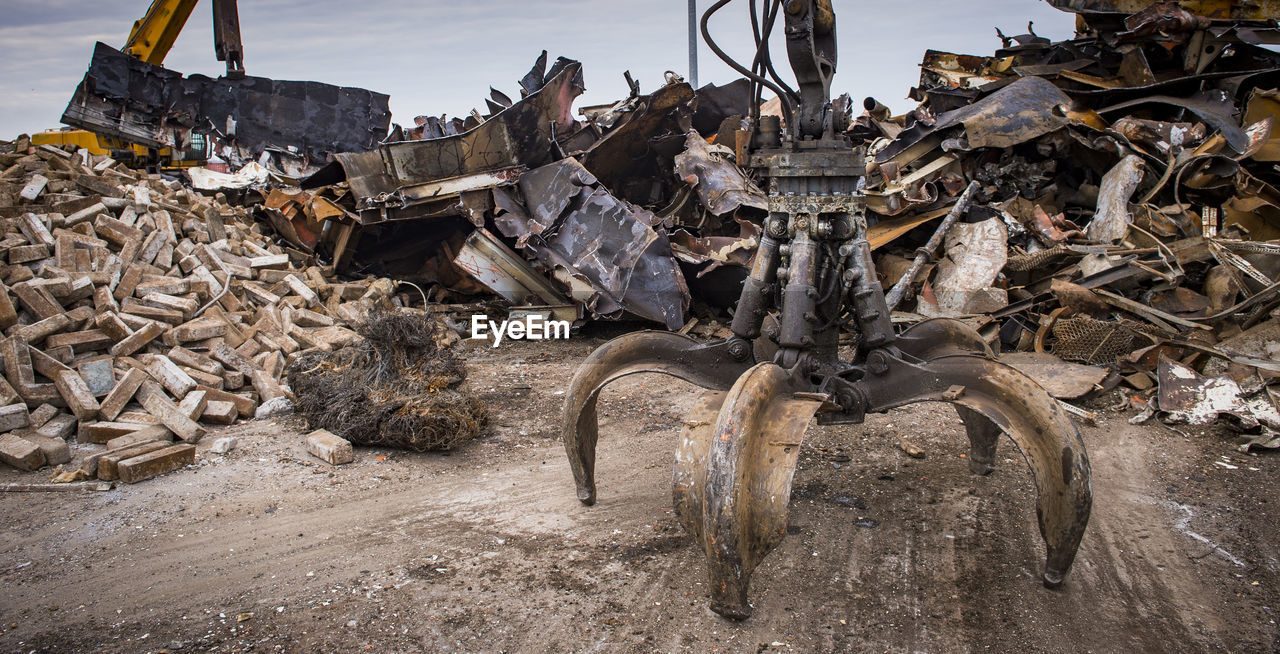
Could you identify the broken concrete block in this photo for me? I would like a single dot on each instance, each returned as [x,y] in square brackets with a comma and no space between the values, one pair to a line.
[224,445]
[301,290]
[193,405]
[113,326]
[99,375]
[108,463]
[77,395]
[145,434]
[196,330]
[267,387]
[28,253]
[164,370]
[153,399]
[14,416]
[20,453]
[37,299]
[41,329]
[244,406]
[156,463]
[42,414]
[137,340]
[8,313]
[34,229]
[329,447]
[56,451]
[219,413]
[280,406]
[60,426]
[123,392]
[102,432]
[89,340]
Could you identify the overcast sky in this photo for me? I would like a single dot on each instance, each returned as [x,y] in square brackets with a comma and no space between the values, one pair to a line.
[436,57]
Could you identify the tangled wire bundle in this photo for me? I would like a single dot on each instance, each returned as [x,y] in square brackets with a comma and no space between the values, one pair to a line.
[396,388]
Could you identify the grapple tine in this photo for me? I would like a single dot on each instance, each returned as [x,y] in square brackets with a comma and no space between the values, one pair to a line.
[713,366]
[1019,407]
[733,477]
[942,337]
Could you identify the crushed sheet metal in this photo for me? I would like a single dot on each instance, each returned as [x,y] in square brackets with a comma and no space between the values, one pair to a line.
[1063,380]
[718,250]
[388,183]
[606,239]
[502,271]
[305,122]
[1194,399]
[522,134]
[721,185]
[1111,221]
[975,254]
[1261,10]
[1022,111]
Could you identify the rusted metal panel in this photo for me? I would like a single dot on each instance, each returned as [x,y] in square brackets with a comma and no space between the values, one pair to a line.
[304,122]
[493,264]
[521,135]
[587,230]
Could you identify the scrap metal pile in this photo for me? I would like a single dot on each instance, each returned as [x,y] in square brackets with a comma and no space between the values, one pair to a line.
[1128,208]
[137,312]
[619,214]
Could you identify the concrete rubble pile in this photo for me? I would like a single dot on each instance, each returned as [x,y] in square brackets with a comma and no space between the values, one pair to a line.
[138,313]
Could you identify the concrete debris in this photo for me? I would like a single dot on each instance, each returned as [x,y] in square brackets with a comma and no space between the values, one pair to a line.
[136,311]
[329,448]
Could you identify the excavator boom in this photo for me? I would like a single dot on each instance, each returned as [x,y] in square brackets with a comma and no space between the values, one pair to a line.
[153,35]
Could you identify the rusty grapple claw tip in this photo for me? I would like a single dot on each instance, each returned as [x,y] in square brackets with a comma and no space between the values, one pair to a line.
[732,478]
[994,398]
[709,365]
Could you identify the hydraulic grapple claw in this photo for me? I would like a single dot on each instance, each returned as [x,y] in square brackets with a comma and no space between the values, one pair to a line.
[813,270]
[997,398]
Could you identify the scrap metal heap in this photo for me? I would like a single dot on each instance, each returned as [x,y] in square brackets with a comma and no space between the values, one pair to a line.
[612,214]
[1129,210]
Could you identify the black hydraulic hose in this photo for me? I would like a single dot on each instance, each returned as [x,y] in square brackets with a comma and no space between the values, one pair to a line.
[706,35]
[771,18]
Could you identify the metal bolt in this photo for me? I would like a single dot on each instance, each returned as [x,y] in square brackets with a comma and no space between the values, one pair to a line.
[877,363]
[739,350]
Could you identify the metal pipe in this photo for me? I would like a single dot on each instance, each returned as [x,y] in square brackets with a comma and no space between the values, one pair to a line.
[925,254]
[693,43]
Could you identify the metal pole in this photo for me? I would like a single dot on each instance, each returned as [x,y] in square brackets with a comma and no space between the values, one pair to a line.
[693,43]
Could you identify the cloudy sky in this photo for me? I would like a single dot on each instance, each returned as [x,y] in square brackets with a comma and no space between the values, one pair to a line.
[436,57]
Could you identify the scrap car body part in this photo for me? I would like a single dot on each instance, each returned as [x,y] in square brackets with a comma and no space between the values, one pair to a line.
[737,455]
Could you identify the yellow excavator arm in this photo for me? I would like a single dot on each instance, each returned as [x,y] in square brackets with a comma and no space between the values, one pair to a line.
[153,35]
[150,40]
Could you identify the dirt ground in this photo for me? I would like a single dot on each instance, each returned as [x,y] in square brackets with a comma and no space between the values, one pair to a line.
[486,549]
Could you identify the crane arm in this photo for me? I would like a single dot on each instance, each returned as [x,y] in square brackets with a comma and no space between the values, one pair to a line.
[153,35]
